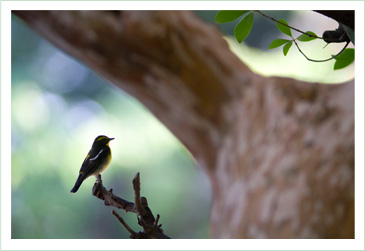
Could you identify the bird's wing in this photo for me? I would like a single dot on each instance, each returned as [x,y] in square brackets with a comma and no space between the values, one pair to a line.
[99,155]
[92,161]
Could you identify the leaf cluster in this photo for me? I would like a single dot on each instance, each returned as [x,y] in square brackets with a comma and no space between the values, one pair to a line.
[284,28]
[244,26]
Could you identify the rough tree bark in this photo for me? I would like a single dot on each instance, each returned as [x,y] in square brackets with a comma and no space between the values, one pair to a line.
[279,152]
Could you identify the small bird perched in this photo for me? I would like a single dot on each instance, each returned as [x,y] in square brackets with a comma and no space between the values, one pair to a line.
[96,161]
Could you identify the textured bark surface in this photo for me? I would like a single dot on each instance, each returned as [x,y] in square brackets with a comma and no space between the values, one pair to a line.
[279,152]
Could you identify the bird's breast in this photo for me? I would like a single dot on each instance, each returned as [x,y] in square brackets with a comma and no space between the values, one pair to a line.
[104,165]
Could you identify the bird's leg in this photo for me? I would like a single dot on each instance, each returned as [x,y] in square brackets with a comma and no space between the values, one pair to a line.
[98,179]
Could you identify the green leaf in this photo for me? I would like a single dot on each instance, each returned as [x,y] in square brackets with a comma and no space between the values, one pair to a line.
[344,59]
[287,47]
[243,28]
[284,29]
[277,43]
[225,16]
[306,38]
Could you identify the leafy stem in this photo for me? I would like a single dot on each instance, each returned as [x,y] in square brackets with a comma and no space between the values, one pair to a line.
[277,21]
[244,26]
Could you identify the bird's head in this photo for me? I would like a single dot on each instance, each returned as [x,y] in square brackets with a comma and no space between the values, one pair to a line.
[102,140]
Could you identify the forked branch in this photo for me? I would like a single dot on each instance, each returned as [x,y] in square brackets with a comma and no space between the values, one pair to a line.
[151,229]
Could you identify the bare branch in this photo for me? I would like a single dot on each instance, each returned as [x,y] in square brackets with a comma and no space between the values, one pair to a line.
[146,219]
[110,199]
[137,199]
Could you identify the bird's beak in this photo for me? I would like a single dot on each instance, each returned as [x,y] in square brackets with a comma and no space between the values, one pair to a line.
[111,139]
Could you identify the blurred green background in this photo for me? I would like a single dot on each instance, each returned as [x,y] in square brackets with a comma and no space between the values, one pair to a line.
[59,106]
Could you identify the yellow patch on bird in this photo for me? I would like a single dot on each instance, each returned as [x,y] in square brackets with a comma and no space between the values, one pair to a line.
[87,157]
[101,138]
[81,173]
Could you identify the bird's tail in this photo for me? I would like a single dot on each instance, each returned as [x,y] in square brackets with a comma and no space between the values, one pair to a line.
[78,183]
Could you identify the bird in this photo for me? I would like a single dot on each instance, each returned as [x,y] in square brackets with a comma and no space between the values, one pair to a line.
[96,161]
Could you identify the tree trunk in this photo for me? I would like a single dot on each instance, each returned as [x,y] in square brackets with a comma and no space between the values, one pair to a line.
[279,152]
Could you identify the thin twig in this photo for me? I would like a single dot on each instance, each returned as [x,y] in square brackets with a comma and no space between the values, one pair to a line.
[156,221]
[121,220]
[277,21]
[320,61]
